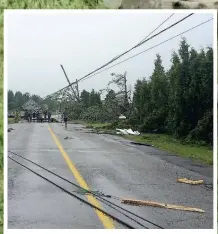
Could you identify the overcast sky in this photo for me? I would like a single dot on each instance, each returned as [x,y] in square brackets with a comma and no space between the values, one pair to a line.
[38,42]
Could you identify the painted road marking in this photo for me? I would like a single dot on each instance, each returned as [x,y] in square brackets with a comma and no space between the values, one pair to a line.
[106,221]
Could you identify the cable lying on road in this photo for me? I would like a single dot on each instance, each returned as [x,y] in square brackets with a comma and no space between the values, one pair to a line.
[77,197]
[98,195]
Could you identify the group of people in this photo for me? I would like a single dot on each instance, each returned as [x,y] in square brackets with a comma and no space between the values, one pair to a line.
[38,115]
[47,113]
[30,115]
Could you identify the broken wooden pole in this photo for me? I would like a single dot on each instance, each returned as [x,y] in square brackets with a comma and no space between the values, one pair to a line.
[192,182]
[161,205]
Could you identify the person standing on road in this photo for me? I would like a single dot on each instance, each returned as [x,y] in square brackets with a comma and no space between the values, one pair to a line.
[37,115]
[49,116]
[40,117]
[45,114]
[29,116]
[65,115]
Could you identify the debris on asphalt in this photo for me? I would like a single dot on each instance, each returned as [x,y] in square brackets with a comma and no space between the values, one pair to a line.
[10,129]
[68,138]
[209,186]
[127,132]
[161,205]
[187,181]
[79,129]
[138,143]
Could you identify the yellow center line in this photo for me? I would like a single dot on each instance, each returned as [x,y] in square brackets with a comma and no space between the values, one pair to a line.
[106,221]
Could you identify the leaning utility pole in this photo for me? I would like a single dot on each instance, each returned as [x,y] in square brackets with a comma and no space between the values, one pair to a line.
[75,93]
[77,89]
[125,91]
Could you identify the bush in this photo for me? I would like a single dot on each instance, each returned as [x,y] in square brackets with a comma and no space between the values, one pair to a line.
[204,129]
[134,122]
[94,113]
[154,123]
[123,124]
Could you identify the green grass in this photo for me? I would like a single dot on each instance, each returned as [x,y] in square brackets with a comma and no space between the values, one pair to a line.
[11,120]
[77,122]
[97,125]
[169,144]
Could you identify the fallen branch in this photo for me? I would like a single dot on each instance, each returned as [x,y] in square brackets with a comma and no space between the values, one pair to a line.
[161,205]
[187,181]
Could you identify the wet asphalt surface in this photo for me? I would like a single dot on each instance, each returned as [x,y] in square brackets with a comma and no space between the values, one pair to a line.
[109,164]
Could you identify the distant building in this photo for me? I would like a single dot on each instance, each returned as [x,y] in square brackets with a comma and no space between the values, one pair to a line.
[30,105]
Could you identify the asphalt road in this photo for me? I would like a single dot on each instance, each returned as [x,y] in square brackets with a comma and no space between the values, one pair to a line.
[103,163]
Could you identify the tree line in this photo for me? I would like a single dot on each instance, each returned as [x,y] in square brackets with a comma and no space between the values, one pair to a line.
[177,101]
[17,99]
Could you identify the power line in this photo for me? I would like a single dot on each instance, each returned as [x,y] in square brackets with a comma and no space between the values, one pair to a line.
[147,49]
[143,51]
[75,196]
[146,40]
[90,192]
[117,57]
[158,27]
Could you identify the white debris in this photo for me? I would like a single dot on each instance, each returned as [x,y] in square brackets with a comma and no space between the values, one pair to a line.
[130,131]
[123,131]
[127,132]
[122,117]
[137,133]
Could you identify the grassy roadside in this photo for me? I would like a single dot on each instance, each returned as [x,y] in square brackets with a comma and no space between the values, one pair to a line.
[169,144]
[11,120]
[202,154]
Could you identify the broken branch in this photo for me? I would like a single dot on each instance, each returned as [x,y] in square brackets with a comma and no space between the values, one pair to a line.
[161,205]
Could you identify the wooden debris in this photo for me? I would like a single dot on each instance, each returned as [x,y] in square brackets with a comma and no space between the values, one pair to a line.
[187,181]
[161,205]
